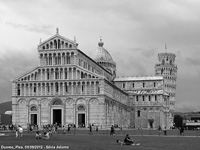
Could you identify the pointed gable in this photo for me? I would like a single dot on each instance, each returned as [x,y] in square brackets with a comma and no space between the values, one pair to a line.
[57,42]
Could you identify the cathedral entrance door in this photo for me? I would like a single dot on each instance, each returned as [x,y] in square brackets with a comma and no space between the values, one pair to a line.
[33,119]
[81,120]
[57,116]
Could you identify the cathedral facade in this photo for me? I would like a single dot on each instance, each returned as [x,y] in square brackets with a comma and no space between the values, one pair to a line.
[69,87]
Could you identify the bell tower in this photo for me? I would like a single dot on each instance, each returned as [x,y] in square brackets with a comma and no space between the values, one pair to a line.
[168,69]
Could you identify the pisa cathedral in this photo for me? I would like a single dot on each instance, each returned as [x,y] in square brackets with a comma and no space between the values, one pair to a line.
[69,87]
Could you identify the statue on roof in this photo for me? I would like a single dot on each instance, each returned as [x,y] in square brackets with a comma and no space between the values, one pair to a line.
[57,30]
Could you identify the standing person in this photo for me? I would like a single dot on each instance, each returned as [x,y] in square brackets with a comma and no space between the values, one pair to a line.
[112,130]
[29,128]
[165,131]
[64,129]
[97,129]
[159,129]
[68,129]
[56,128]
[16,131]
[90,127]
[181,130]
[20,130]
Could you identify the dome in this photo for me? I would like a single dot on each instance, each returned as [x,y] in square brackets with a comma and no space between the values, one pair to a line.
[101,54]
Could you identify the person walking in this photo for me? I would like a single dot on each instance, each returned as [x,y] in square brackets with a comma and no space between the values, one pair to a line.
[90,127]
[68,129]
[20,131]
[97,129]
[112,130]
[16,131]
[64,129]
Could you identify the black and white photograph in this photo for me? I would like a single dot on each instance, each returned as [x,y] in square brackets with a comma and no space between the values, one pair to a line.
[99,74]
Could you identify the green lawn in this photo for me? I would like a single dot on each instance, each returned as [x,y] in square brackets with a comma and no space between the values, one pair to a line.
[103,141]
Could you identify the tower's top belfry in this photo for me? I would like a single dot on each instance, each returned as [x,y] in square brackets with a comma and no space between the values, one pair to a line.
[166,58]
[166,66]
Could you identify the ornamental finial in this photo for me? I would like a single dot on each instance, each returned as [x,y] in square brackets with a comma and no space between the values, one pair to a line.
[100,44]
[57,30]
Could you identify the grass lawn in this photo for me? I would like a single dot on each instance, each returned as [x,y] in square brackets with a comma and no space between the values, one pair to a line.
[102,142]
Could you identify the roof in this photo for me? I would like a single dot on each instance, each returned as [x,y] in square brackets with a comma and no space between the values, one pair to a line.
[101,54]
[57,35]
[139,78]
[167,54]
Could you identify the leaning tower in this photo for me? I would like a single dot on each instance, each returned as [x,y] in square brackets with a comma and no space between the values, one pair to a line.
[168,69]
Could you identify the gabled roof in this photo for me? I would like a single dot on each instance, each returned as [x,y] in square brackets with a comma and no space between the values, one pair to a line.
[40,67]
[94,61]
[28,72]
[57,36]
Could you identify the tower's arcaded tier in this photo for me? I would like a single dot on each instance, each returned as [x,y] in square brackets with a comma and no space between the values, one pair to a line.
[168,69]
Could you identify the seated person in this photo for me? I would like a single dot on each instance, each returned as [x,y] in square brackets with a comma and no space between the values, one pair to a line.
[46,136]
[50,132]
[38,135]
[127,141]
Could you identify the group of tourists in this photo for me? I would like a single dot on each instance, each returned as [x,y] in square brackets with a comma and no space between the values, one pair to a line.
[4,127]
[45,136]
[91,126]
[51,127]
[48,133]
[32,127]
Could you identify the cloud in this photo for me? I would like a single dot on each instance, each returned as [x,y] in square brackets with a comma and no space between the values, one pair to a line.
[187,107]
[13,63]
[193,62]
[186,93]
[46,29]
[136,62]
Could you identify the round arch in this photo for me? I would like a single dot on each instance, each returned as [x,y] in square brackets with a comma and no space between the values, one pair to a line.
[33,101]
[81,101]
[94,101]
[56,101]
[21,101]
[33,108]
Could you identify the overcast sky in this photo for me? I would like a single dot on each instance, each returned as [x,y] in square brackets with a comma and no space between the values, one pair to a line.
[133,31]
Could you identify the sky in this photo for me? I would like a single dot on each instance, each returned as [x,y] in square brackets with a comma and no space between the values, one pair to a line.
[133,31]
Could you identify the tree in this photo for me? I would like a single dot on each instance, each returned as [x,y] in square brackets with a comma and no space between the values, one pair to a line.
[178,120]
